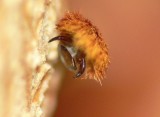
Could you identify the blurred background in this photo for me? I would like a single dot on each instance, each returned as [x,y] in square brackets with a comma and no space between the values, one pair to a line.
[131,29]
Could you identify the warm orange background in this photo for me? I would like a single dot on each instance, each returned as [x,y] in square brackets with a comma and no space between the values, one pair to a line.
[131,29]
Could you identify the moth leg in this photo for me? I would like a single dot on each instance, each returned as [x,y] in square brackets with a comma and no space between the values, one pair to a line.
[60,38]
[82,66]
[66,58]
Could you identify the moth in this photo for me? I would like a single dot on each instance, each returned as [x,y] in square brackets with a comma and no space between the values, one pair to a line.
[81,47]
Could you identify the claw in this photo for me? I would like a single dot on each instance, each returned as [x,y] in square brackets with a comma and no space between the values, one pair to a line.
[57,38]
[61,38]
[82,66]
[67,59]
[76,63]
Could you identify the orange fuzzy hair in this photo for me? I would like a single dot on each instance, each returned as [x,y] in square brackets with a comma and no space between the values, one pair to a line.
[86,38]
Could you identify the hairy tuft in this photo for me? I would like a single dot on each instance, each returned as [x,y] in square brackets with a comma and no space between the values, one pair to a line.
[86,37]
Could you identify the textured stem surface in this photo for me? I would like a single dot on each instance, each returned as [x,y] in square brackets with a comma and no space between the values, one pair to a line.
[26,27]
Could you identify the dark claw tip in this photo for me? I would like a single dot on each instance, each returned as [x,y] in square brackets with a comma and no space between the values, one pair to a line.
[82,66]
